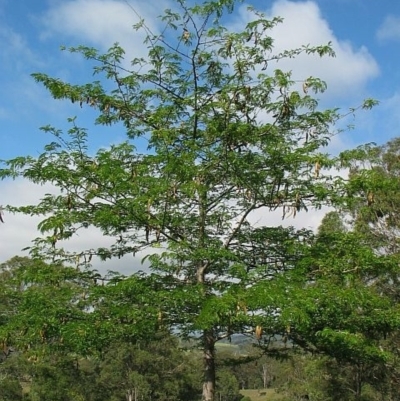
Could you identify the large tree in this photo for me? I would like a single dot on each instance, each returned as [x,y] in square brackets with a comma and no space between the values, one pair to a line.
[230,141]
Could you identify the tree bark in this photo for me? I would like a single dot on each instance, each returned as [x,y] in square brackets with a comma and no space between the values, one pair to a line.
[209,366]
[265,375]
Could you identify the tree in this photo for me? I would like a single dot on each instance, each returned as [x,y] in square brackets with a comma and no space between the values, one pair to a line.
[156,370]
[229,139]
[46,308]
[374,180]
[228,387]
[374,215]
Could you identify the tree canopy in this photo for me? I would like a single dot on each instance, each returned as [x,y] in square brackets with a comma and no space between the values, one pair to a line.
[231,140]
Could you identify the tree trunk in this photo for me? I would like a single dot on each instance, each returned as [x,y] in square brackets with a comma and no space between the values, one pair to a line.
[358,382]
[209,366]
[265,375]
[129,395]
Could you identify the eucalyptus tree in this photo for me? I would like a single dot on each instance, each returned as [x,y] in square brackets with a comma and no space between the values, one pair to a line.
[230,141]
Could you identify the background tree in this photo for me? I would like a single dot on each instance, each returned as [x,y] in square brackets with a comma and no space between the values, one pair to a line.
[156,370]
[228,140]
[373,213]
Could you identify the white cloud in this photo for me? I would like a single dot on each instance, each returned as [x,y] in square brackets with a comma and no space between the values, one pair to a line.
[390,28]
[303,24]
[19,230]
[103,22]
[15,51]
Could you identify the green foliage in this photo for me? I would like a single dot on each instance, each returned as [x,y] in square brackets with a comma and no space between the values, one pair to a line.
[156,370]
[10,390]
[228,140]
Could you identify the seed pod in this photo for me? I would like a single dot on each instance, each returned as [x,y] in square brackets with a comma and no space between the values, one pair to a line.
[186,35]
[229,46]
[317,169]
[241,307]
[258,332]
[69,202]
[370,198]
[305,87]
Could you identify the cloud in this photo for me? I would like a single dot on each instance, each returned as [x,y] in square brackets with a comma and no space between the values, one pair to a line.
[19,230]
[303,24]
[15,52]
[389,119]
[101,23]
[390,28]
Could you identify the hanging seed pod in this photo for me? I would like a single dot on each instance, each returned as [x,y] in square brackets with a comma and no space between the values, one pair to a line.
[229,46]
[317,169]
[241,307]
[265,66]
[69,202]
[186,35]
[305,87]
[258,332]
[370,198]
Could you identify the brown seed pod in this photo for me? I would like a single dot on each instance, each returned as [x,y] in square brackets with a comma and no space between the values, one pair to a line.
[249,195]
[258,332]
[370,198]
[317,169]
[186,35]
[241,307]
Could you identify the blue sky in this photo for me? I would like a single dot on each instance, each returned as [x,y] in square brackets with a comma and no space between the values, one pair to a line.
[365,35]
[31,33]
